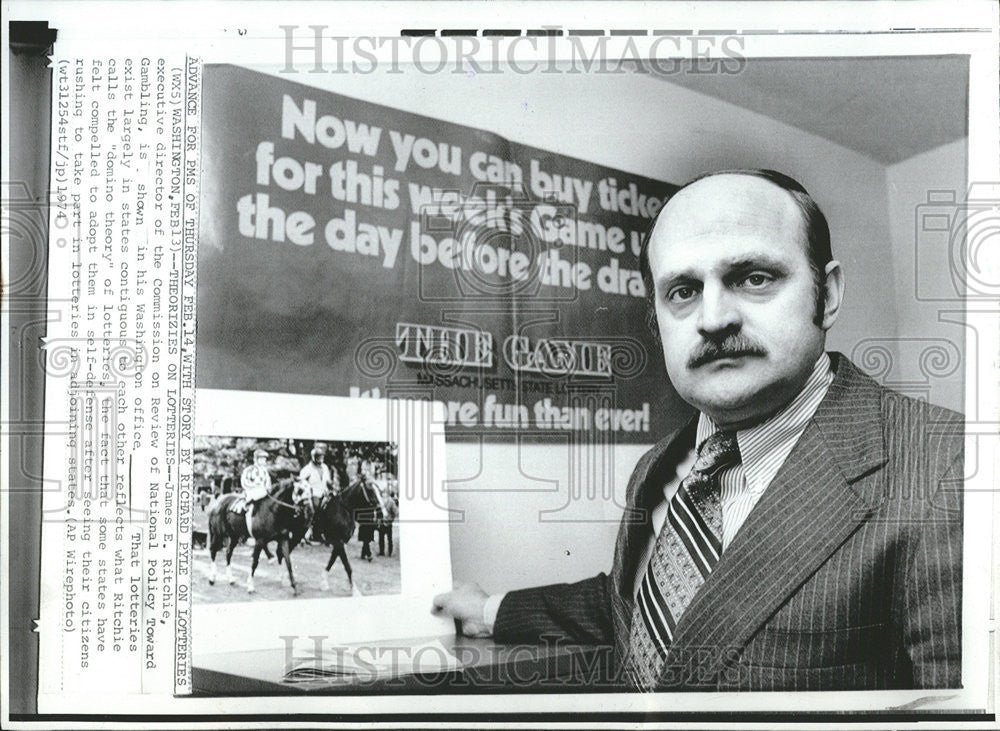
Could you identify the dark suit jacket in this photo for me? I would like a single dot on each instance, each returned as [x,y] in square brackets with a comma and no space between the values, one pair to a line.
[846,575]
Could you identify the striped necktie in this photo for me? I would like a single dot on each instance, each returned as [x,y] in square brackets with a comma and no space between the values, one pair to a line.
[686,551]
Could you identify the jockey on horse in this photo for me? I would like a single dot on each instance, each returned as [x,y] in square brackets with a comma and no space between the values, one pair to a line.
[317,481]
[256,482]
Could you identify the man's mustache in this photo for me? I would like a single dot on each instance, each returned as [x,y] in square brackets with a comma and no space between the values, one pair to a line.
[732,346]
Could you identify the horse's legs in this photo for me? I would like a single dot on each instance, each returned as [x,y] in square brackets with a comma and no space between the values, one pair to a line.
[214,546]
[388,532]
[329,565]
[267,552]
[347,567]
[324,578]
[257,546]
[283,548]
[282,557]
[229,557]
[342,552]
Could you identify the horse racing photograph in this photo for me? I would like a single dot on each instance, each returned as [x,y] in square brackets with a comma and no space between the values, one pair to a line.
[283,518]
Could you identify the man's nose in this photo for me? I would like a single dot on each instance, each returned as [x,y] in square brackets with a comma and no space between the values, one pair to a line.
[719,312]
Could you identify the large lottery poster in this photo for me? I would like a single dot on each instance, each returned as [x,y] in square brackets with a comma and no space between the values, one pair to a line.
[351,249]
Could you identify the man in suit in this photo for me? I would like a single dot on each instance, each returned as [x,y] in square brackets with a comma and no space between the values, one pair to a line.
[803,531]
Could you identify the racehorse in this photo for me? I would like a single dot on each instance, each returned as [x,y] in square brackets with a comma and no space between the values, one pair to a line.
[334,522]
[279,516]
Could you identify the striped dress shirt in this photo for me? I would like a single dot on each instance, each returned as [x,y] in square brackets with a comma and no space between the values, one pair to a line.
[763,449]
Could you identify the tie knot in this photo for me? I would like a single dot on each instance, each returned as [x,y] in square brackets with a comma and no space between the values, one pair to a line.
[717,452]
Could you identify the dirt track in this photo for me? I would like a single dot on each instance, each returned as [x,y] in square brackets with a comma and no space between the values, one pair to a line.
[381,576]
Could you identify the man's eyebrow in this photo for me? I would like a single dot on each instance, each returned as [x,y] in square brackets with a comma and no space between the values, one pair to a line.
[754,261]
[736,264]
[684,276]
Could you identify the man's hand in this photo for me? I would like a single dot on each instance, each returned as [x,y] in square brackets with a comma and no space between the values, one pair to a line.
[465,604]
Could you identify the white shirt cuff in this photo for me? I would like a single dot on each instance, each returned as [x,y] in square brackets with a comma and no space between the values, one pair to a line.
[490,609]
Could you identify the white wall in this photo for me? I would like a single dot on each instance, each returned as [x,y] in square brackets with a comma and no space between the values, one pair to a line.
[927,345]
[646,126]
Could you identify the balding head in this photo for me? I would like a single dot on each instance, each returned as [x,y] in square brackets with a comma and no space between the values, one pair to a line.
[756,183]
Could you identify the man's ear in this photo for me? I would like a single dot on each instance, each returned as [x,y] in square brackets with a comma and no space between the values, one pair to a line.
[833,291]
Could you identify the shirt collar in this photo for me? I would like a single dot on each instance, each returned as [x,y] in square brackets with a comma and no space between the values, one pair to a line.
[777,435]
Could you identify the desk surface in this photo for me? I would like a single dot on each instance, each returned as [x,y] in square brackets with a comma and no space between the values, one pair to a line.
[483,666]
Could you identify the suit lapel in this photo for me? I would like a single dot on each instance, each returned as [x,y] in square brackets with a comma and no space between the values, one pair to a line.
[644,492]
[816,500]
[658,469]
